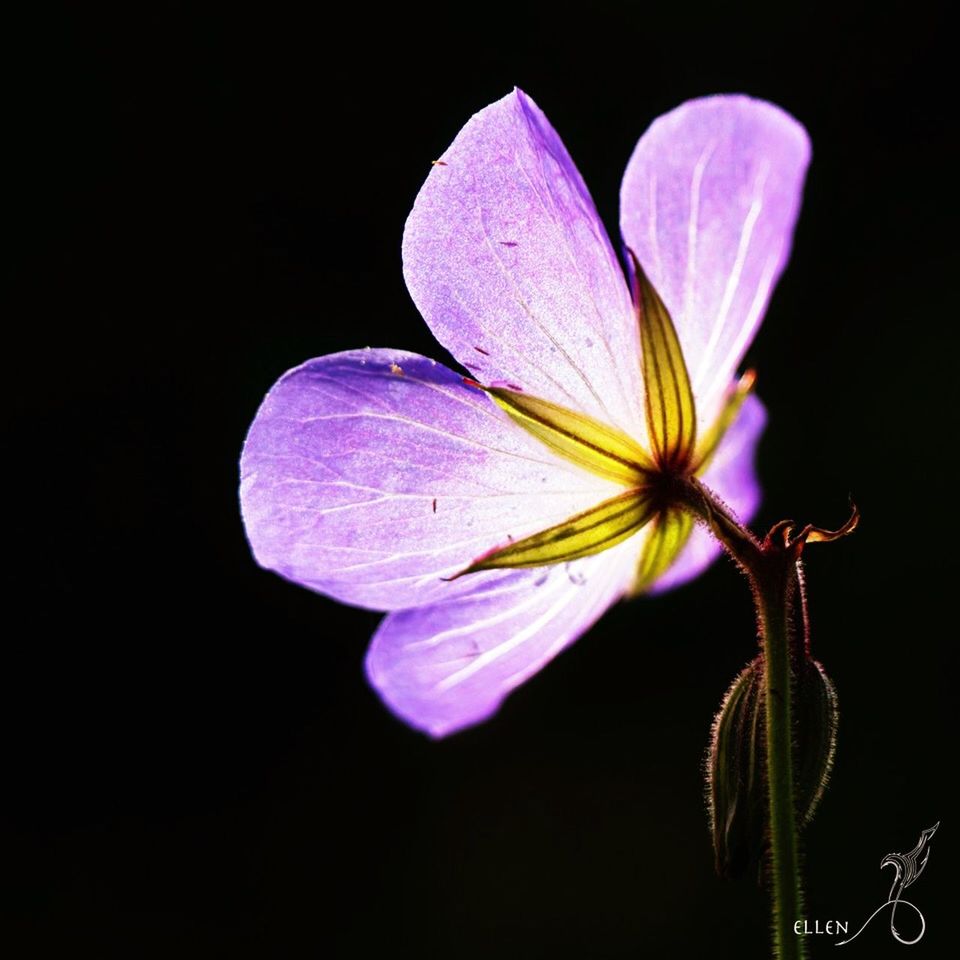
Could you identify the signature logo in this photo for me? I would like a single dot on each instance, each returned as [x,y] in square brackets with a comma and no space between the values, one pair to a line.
[907,868]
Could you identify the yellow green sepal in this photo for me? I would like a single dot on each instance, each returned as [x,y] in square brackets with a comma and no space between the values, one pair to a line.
[732,404]
[671,529]
[669,533]
[584,534]
[671,412]
[595,446]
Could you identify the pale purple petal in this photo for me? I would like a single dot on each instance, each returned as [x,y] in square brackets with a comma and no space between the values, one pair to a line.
[708,204]
[508,262]
[732,476]
[448,666]
[372,474]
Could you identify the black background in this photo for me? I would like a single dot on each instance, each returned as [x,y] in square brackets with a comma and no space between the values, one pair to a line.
[193,764]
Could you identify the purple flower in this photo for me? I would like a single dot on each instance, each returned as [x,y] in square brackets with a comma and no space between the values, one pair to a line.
[378,476]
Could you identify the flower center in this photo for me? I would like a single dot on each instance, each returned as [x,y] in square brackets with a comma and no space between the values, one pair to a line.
[654,480]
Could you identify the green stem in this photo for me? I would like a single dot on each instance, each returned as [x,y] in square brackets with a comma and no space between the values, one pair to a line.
[771,567]
[773,612]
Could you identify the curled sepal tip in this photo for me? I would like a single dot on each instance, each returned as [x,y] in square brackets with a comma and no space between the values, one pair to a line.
[787,535]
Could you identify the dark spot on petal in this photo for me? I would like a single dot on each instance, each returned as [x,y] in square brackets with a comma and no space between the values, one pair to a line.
[508,243]
[486,353]
[434,504]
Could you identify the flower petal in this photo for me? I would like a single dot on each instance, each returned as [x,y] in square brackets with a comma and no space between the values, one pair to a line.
[732,476]
[449,665]
[508,262]
[372,474]
[708,204]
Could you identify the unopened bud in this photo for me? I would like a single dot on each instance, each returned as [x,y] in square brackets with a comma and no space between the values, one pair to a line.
[735,771]
[736,764]
[816,718]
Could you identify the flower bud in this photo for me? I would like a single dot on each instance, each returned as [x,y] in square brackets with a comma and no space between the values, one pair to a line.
[815,734]
[735,771]
[736,762]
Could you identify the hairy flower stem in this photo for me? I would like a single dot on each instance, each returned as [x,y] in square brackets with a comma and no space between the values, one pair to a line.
[773,597]
[772,568]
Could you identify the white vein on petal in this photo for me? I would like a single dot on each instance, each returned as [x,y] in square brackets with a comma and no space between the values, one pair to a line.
[521,301]
[484,659]
[555,222]
[429,428]
[654,200]
[486,409]
[474,626]
[601,602]
[693,227]
[757,305]
[602,578]
[525,361]
[426,497]
[736,271]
